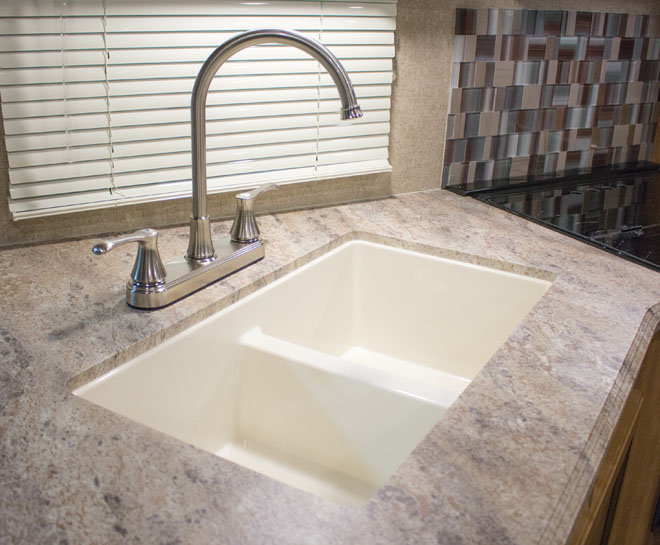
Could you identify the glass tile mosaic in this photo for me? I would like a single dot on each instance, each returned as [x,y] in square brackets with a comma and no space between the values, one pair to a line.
[550,90]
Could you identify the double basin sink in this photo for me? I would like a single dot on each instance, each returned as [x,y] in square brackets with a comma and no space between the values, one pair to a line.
[329,377]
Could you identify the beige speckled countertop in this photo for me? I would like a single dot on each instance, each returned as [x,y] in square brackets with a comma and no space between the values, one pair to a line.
[510,462]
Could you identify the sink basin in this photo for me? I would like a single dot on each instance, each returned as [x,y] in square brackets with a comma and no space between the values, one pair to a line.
[330,376]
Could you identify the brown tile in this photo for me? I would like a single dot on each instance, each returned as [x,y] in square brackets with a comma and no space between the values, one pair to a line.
[482,21]
[455,101]
[604,116]
[552,23]
[485,50]
[474,149]
[620,136]
[549,117]
[551,72]
[602,157]
[525,121]
[531,97]
[585,72]
[457,173]
[551,48]
[560,114]
[595,48]
[489,123]
[583,23]
[503,74]
[626,48]
[598,74]
[561,161]
[634,92]
[519,166]
[573,160]
[535,48]
[571,19]
[479,74]
[542,143]
[459,126]
[466,21]
[612,46]
[653,26]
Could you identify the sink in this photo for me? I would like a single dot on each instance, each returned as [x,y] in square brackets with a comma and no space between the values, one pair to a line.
[329,377]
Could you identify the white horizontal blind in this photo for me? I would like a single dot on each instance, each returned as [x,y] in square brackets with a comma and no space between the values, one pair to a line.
[96,97]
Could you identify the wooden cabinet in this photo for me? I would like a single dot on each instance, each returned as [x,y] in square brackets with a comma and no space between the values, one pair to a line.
[623,500]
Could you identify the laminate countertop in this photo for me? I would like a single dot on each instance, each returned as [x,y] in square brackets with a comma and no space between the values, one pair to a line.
[510,462]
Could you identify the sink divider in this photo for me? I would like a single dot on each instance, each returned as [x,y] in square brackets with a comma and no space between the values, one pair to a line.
[443,390]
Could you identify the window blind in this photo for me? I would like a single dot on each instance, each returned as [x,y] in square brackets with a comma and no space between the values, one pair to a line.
[96,97]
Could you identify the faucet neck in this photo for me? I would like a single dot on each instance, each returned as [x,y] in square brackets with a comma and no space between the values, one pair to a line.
[201,250]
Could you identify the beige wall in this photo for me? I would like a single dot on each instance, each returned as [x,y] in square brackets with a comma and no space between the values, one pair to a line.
[424,42]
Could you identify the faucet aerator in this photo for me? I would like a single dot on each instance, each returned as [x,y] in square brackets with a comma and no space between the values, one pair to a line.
[354,112]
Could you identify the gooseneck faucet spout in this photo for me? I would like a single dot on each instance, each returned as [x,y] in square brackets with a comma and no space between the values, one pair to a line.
[200,245]
[154,284]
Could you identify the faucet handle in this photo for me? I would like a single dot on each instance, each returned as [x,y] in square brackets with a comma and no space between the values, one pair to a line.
[148,269]
[245,227]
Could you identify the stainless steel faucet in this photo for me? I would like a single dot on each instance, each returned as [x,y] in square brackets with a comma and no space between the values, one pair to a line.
[154,285]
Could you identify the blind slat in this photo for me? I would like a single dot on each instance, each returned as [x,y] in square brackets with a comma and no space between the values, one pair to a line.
[182,144]
[39,142]
[181,115]
[72,91]
[117,42]
[43,8]
[45,59]
[20,110]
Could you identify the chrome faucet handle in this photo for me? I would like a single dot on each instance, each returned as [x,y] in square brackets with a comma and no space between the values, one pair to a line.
[148,270]
[245,227]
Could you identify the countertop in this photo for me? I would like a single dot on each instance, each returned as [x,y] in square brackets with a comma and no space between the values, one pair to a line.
[510,463]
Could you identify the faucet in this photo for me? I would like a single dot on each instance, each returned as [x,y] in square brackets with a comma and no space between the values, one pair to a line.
[153,284]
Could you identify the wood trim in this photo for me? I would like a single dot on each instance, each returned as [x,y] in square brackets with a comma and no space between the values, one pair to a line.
[639,492]
[590,526]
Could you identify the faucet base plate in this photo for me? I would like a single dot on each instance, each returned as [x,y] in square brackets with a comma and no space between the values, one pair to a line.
[185,277]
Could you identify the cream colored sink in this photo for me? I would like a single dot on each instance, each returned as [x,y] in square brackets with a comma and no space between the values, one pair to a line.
[329,377]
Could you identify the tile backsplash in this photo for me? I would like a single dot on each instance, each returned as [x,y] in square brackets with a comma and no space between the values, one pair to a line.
[536,93]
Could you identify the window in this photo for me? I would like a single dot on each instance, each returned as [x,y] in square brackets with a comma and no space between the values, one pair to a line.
[96,98]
